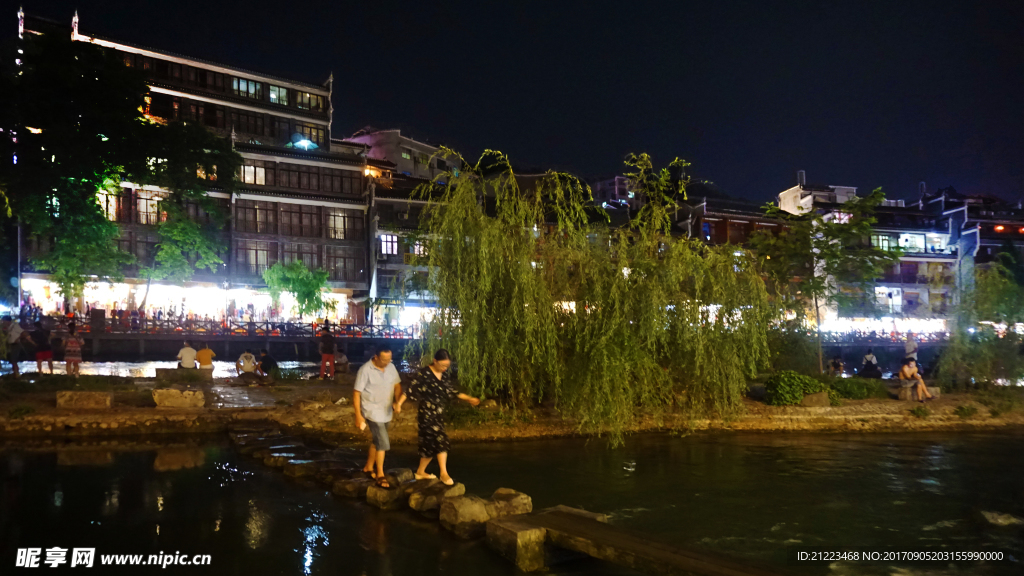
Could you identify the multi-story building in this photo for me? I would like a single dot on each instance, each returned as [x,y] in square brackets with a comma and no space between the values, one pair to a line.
[615,192]
[410,157]
[300,196]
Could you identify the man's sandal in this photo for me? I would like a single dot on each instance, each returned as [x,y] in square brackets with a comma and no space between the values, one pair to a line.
[383,482]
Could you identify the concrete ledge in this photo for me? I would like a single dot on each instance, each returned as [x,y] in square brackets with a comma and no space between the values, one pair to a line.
[170,398]
[184,375]
[74,399]
[518,540]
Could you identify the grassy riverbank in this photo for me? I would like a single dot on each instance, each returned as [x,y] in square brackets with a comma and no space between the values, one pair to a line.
[28,407]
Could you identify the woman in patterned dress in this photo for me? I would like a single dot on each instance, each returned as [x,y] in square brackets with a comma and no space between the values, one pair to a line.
[73,351]
[432,388]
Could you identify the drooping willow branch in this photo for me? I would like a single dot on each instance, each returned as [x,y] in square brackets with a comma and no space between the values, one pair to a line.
[540,298]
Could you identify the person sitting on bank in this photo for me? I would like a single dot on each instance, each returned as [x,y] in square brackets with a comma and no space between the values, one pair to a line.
[187,356]
[205,357]
[268,365]
[246,363]
[870,368]
[835,367]
[341,364]
[377,397]
[909,377]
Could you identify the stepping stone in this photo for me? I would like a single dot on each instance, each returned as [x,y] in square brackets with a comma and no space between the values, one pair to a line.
[413,486]
[430,498]
[391,498]
[255,445]
[300,468]
[332,471]
[279,459]
[352,488]
[465,516]
[508,502]
[287,447]
[397,476]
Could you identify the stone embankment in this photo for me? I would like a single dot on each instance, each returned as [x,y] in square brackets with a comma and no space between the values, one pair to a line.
[69,413]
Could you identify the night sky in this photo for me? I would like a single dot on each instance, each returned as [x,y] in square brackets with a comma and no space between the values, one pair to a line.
[863,94]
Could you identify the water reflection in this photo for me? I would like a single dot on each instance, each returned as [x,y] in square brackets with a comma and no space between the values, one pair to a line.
[221,369]
[257,527]
[748,496]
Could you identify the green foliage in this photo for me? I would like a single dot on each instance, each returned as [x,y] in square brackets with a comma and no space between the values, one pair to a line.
[793,348]
[787,388]
[20,411]
[984,354]
[88,134]
[817,261]
[307,286]
[965,411]
[539,298]
[857,388]
[1001,399]
[920,412]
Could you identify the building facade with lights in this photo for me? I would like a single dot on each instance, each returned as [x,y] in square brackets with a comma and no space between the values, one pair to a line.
[300,195]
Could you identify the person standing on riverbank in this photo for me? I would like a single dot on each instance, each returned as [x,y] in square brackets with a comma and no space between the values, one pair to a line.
[73,352]
[326,353]
[44,348]
[377,396]
[911,347]
[432,389]
[16,337]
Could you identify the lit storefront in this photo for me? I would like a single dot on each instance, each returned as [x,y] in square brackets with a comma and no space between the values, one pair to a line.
[200,300]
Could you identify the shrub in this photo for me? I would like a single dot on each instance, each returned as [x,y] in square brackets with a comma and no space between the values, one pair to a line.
[20,411]
[1002,399]
[787,388]
[920,412]
[965,411]
[858,388]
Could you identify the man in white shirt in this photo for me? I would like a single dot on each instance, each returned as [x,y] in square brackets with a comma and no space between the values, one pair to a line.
[377,396]
[910,348]
[246,363]
[15,348]
[187,356]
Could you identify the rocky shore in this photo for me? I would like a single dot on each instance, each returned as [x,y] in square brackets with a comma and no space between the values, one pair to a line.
[309,408]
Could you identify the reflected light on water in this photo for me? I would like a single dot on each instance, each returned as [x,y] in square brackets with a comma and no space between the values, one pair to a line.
[159,503]
[257,527]
[312,534]
[221,369]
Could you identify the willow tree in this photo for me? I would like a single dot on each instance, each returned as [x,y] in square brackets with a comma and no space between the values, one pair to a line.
[539,298]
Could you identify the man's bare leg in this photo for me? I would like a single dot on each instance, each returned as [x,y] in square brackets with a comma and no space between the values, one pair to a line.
[380,463]
[371,459]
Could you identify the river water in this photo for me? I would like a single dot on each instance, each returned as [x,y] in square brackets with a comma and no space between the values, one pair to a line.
[754,497]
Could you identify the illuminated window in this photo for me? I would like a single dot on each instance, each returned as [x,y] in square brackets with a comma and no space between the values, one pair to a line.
[279,95]
[882,241]
[312,132]
[202,174]
[254,175]
[406,156]
[247,88]
[418,249]
[147,207]
[307,101]
[389,244]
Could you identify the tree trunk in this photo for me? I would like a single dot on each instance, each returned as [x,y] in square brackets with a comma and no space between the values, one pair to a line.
[817,329]
[149,282]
